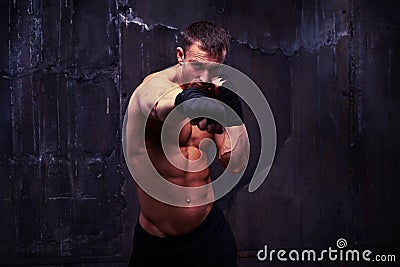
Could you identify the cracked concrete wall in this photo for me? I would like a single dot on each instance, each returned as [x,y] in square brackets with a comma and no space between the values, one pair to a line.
[61,182]
[329,70]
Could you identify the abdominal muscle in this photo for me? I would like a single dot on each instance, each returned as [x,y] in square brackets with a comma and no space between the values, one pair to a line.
[161,219]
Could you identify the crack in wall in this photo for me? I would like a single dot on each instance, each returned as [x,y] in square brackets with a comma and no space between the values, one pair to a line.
[331,37]
[129,17]
[68,72]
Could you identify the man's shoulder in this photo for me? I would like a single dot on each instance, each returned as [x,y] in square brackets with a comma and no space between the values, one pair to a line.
[159,79]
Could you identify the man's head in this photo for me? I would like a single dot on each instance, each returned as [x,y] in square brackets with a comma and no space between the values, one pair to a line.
[203,43]
[210,37]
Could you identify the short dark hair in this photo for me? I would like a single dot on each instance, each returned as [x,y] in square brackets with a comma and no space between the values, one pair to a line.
[213,38]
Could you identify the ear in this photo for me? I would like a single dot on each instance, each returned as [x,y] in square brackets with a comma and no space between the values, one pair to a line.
[180,55]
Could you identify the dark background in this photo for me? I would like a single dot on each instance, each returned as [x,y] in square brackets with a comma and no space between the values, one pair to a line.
[329,69]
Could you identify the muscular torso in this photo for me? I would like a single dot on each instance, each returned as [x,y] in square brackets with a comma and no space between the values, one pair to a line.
[156,217]
[162,219]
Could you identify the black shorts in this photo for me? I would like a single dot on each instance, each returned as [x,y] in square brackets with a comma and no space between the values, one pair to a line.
[211,244]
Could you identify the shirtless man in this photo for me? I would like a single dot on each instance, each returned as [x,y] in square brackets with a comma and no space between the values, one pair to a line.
[188,234]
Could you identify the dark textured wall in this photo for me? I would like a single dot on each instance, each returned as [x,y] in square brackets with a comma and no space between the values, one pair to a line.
[329,69]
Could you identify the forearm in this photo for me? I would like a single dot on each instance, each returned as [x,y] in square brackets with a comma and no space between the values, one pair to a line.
[165,104]
[157,102]
[233,148]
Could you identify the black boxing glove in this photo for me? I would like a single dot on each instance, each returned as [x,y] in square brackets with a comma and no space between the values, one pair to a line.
[200,106]
[231,99]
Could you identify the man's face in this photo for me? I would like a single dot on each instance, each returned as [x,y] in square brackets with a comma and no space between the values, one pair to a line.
[199,66]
